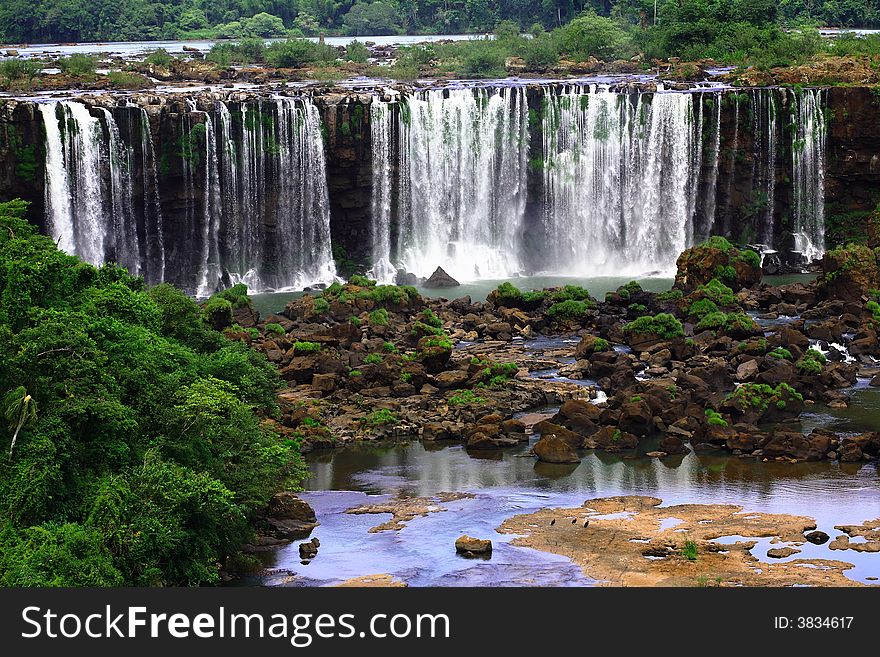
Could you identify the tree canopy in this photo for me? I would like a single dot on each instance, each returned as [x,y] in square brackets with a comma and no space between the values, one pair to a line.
[134,446]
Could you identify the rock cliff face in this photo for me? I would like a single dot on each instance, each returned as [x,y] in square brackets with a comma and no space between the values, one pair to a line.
[181,177]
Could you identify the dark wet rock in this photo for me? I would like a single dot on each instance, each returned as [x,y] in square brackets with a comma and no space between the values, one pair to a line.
[551,449]
[452,379]
[440,279]
[672,445]
[548,428]
[636,418]
[309,549]
[404,277]
[611,439]
[817,537]
[289,517]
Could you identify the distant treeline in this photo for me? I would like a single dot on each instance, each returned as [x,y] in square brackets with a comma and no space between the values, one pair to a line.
[116,20]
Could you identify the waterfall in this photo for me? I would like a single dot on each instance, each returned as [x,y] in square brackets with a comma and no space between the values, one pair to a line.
[381,130]
[462,167]
[808,172]
[303,202]
[59,212]
[124,236]
[273,192]
[709,188]
[764,202]
[154,252]
[621,175]
[210,276]
[74,165]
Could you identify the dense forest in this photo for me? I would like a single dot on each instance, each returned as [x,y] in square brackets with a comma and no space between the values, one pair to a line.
[134,450]
[104,20]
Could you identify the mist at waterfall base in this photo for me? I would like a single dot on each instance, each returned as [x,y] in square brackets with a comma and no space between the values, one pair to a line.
[591,186]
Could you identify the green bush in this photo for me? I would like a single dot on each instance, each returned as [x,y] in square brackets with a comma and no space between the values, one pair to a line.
[482,59]
[301,348]
[373,359]
[717,292]
[378,418]
[14,69]
[362,281]
[275,329]
[390,294]
[702,307]
[761,395]
[296,53]
[379,317]
[663,325]
[715,418]
[570,309]
[781,353]
[812,362]
[508,294]
[464,398]
[357,52]
[594,36]
[78,64]
[159,57]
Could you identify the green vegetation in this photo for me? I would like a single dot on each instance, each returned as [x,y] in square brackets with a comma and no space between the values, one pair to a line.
[465,397]
[15,69]
[761,395]
[670,296]
[362,281]
[372,359]
[601,344]
[737,32]
[570,309]
[812,362]
[728,323]
[663,325]
[379,418]
[78,64]
[715,418]
[701,308]
[134,449]
[301,348]
[781,353]
[379,317]
[689,550]
[274,328]
[390,294]
[717,292]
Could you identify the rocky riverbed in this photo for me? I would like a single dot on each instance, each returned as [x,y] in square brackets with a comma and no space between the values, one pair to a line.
[721,364]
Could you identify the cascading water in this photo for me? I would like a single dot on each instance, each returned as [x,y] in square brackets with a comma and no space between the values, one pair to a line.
[59,212]
[463,158]
[381,134]
[73,185]
[256,205]
[621,174]
[808,172]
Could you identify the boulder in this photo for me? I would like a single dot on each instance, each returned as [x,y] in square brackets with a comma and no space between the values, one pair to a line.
[746,371]
[451,379]
[440,279]
[817,537]
[551,449]
[636,418]
[548,428]
[289,517]
[698,265]
[469,545]
[611,439]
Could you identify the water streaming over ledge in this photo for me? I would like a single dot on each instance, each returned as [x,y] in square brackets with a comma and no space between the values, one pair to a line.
[488,182]
[255,207]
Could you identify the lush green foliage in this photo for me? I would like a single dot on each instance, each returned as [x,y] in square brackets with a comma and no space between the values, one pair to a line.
[663,325]
[570,309]
[138,454]
[812,362]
